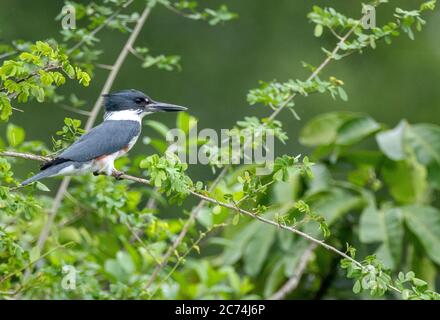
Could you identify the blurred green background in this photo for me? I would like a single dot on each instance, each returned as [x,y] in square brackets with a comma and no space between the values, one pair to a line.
[220,65]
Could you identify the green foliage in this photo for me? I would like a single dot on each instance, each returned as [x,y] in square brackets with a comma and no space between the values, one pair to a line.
[5,107]
[167,173]
[168,63]
[336,22]
[257,127]
[68,134]
[31,75]
[275,94]
[338,129]
[424,222]
[372,276]
[190,9]
[15,135]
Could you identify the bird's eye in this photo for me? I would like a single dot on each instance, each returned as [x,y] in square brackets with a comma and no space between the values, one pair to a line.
[139,100]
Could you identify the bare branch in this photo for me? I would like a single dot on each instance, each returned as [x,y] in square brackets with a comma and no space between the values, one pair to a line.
[293,282]
[74,110]
[104,66]
[147,249]
[27,156]
[7,54]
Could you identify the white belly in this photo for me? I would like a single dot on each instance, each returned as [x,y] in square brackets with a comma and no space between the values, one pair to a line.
[85,168]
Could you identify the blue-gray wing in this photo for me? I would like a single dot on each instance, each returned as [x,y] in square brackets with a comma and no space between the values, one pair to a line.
[107,138]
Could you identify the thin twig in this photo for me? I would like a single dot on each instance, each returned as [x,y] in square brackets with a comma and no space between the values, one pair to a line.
[335,33]
[152,202]
[104,66]
[136,54]
[26,156]
[17,109]
[100,27]
[75,110]
[293,282]
[52,213]
[136,236]
[7,54]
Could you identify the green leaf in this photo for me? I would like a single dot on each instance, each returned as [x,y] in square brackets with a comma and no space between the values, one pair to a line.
[275,277]
[318,30]
[323,129]
[278,176]
[370,227]
[356,130]
[434,175]
[384,226]
[258,248]
[425,141]
[342,94]
[125,262]
[357,287]
[5,107]
[423,265]
[42,187]
[69,234]
[406,180]
[38,93]
[15,135]
[70,71]
[236,219]
[236,246]
[419,282]
[390,252]
[424,222]
[185,122]
[158,126]
[390,142]
[34,254]
[335,204]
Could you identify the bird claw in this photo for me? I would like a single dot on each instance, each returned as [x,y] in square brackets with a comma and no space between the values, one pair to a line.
[117,174]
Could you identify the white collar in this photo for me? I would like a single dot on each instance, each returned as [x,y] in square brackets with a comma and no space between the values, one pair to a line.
[134,115]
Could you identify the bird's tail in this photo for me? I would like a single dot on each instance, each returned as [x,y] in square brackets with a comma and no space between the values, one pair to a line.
[49,172]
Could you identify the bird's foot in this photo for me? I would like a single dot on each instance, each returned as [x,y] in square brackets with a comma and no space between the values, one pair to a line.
[117,174]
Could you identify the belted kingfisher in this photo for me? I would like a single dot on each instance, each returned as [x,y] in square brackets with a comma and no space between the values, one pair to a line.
[97,150]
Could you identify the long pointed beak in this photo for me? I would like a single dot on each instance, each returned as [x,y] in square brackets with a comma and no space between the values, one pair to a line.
[165,107]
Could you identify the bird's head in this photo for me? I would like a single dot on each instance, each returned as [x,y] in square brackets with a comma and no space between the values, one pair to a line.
[136,101]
